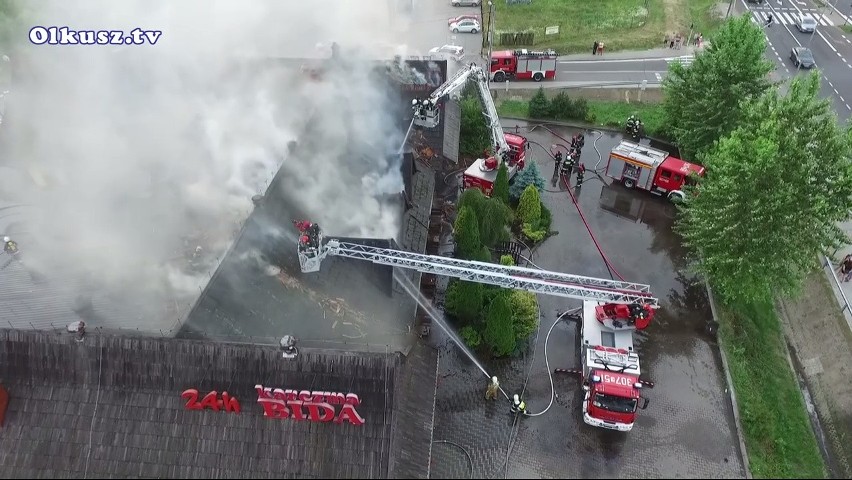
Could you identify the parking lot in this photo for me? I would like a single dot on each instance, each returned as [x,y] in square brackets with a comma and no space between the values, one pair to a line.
[688,428]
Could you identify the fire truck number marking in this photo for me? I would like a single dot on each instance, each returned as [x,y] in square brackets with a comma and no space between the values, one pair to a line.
[211,401]
[616,380]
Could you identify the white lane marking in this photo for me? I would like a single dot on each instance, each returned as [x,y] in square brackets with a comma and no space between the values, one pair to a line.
[659,77]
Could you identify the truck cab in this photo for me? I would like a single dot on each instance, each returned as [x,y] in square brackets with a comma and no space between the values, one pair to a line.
[610,374]
[483,172]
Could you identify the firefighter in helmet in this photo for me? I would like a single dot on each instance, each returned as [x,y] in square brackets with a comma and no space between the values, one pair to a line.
[581,171]
[304,243]
[518,405]
[10,246]
[557,162]
[302,225]
[491,390]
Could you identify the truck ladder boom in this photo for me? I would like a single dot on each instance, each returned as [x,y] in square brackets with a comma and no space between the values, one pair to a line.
[537,281]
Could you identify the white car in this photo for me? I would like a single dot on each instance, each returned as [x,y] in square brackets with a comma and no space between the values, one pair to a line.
[466,3]
[455,52]
[466,26]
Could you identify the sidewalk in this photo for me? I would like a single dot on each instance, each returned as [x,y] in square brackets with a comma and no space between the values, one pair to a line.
[845,287]
[654,53]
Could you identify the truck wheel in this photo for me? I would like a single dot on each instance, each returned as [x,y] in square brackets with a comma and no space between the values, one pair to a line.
[538,76]
[499,77]
[628,183]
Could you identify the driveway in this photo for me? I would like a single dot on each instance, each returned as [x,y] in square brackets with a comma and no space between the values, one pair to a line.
[688,428]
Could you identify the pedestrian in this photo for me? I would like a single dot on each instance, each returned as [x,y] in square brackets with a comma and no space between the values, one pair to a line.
[678,41]
[595,47]
[518,405]
[667,40]
[698,40]
[845,268]
[601,47]
[672,41]
[769,20]
[491,391]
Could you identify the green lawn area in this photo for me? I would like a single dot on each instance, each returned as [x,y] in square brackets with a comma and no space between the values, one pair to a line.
[620,24]
[602,113]
[778,434]
[847,28]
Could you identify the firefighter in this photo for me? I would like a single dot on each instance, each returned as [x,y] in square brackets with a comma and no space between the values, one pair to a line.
[570,161]
[304,243]
[302,225]
[314,233]
[581,170]
[581,140]
[557,162]
[518,405]
[491,391]
[10,246]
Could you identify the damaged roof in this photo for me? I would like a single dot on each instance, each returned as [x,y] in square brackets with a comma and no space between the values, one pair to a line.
[113,407]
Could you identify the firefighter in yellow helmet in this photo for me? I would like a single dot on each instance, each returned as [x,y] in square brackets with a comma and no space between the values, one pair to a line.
[491,391]
[518,405]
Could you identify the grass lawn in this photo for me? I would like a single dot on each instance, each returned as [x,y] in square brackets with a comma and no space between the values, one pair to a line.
[847,28]
[620,24]
[603,113]
[778,434]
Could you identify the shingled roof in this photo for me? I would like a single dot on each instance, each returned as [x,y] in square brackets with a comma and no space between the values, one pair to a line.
[112,407]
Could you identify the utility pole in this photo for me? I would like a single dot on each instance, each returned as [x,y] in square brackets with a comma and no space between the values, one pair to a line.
[490,40]
[730,7]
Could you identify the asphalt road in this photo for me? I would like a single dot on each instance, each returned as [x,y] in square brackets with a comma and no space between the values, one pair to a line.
[688,429]
[601,72]
[832,48]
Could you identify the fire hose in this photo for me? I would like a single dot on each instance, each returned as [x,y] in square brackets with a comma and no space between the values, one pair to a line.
[547,361]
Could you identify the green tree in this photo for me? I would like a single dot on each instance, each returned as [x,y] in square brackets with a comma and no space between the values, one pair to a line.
[539,106]
[466,231]
[501,184]
[524,313]
[703,101]
[507,260]
[499,333]
[774,192]
[465,300]
[529,207]
[474,134]
[492,215]
[471,336]
[530,175]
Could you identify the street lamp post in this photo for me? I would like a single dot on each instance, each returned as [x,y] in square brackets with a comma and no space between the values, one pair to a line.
[490,40]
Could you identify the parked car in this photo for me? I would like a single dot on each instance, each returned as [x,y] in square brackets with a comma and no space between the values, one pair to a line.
[806,23]
[455,52]
[459,18]
[466,3]
[466,26]
[802,57]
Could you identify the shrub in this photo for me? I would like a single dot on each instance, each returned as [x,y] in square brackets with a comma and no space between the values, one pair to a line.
[471,336]
[524,313]
[539,107]
[466,230]
[529,206]
[533,233]
[499,333]
[501,184]
[492,215]
[546,219]
[530,175]
[465,300]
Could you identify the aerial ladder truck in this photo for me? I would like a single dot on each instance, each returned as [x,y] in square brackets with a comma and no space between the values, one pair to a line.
[612,310]
[508,148]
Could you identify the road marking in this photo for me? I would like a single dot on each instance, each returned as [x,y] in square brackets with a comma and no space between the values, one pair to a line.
[841,98]
[785,18]
[835,91]
[848,107]
[659,77]
[829,82]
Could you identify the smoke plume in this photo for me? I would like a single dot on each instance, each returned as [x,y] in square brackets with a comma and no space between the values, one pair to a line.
[144,158]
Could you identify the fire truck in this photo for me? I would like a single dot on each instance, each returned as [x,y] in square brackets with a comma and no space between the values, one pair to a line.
[610,365]
[640,166]
[523,65]
[509,148]
[612,311]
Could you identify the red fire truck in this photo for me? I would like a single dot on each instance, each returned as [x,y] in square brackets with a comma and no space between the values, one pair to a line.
[523,65]
[641,166]
[610,366]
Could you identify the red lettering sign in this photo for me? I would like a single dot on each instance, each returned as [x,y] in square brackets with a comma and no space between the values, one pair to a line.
[309,405]
[211,401]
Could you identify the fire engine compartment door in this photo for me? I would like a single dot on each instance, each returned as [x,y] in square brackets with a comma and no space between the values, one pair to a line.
[522,65]
[614,167]
[534,65]
[548,64]
[631,171]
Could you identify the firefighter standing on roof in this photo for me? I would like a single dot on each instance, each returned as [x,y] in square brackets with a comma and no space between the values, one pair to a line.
[10,246]
[491,391]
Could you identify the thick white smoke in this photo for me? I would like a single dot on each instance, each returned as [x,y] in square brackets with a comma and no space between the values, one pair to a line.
[145,153]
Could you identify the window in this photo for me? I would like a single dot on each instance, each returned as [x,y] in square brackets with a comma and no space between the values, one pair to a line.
[507,61]
[665,174]
[678,178]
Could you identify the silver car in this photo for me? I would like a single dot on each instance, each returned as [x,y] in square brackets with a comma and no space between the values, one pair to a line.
[455,52]
[466,3]
[466,26]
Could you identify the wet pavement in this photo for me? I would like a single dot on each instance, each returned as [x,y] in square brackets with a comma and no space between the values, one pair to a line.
[688,429]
